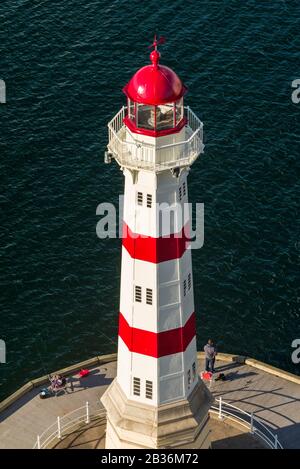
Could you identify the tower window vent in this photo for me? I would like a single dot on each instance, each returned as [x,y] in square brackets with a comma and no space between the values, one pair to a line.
[140,198]
[184,189]
[138,294]
[189,281]
[180,193]
[189,377]
[149,200]
[194,370]
[184,287]
[149,295]
[136,386]
[149,389]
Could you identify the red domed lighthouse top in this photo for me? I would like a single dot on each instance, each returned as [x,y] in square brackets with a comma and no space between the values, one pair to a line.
[155,98]
[155,84]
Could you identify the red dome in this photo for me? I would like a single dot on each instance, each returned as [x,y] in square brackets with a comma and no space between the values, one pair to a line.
[155,84]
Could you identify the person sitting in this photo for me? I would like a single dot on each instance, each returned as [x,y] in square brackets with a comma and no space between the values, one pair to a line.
[58,382]
[53,381]
[61,380]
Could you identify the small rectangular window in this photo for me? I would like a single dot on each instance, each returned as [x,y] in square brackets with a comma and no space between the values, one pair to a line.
[136,386]
[140,198]
[138,294]
[149,389]
[148,296]
[149,200]
[180,193]
[189,377]
[189,281]
[184,287]
[194,370]
[184,189]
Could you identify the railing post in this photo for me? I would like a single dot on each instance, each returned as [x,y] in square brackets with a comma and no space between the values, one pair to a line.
[38,442]
[58,428]
[87,413]
[276,442]
[220,408]
[188,114]
[251,424]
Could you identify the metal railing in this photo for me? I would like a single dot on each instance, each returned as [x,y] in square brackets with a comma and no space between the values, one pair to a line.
[137,154]
[247,420]
[63,425]
[82,415]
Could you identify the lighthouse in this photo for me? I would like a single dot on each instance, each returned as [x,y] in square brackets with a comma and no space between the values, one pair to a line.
[157,399]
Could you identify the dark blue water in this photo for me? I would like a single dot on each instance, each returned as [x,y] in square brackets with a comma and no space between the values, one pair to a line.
[64,63]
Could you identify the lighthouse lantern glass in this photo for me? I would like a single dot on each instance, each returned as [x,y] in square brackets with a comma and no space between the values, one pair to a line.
[145,116]
[179,110]
[165,116]
[155,117]
[131,109]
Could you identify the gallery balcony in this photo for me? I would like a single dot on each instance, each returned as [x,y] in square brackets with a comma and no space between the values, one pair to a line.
[136,151]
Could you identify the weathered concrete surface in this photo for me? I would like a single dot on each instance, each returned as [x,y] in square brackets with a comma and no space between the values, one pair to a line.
[274,399]
[29,416]
[222,435]
[99,360]
[180,424]
[225,436]
[90,436]
[227,357]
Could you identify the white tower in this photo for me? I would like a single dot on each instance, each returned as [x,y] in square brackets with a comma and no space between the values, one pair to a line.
[157,399]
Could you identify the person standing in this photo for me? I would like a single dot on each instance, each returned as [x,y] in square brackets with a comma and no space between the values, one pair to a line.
[210,356]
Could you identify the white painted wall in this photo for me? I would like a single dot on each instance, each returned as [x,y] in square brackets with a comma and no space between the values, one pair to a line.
[132,365]
[164,189]
[169,374]
[170,309]
[156,141]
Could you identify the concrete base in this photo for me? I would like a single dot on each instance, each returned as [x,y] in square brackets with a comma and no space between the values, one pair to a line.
[181,424]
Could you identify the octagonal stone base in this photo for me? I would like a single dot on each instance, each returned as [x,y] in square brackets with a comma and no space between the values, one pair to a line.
[181,424]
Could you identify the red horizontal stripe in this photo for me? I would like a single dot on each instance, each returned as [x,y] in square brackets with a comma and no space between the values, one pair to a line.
[164,248]
[157,344]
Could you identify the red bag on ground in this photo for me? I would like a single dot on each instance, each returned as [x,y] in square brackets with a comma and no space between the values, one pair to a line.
[206,375]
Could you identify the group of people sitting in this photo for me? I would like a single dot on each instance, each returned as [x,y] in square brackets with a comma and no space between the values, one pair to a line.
[58,382]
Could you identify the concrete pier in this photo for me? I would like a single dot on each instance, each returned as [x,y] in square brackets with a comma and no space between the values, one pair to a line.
[272,394]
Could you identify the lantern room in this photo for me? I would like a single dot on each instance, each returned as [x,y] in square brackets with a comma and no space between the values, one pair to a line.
[155,100]
[155,131]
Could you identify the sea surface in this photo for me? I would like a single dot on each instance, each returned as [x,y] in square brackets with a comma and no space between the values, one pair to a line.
[64,64]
